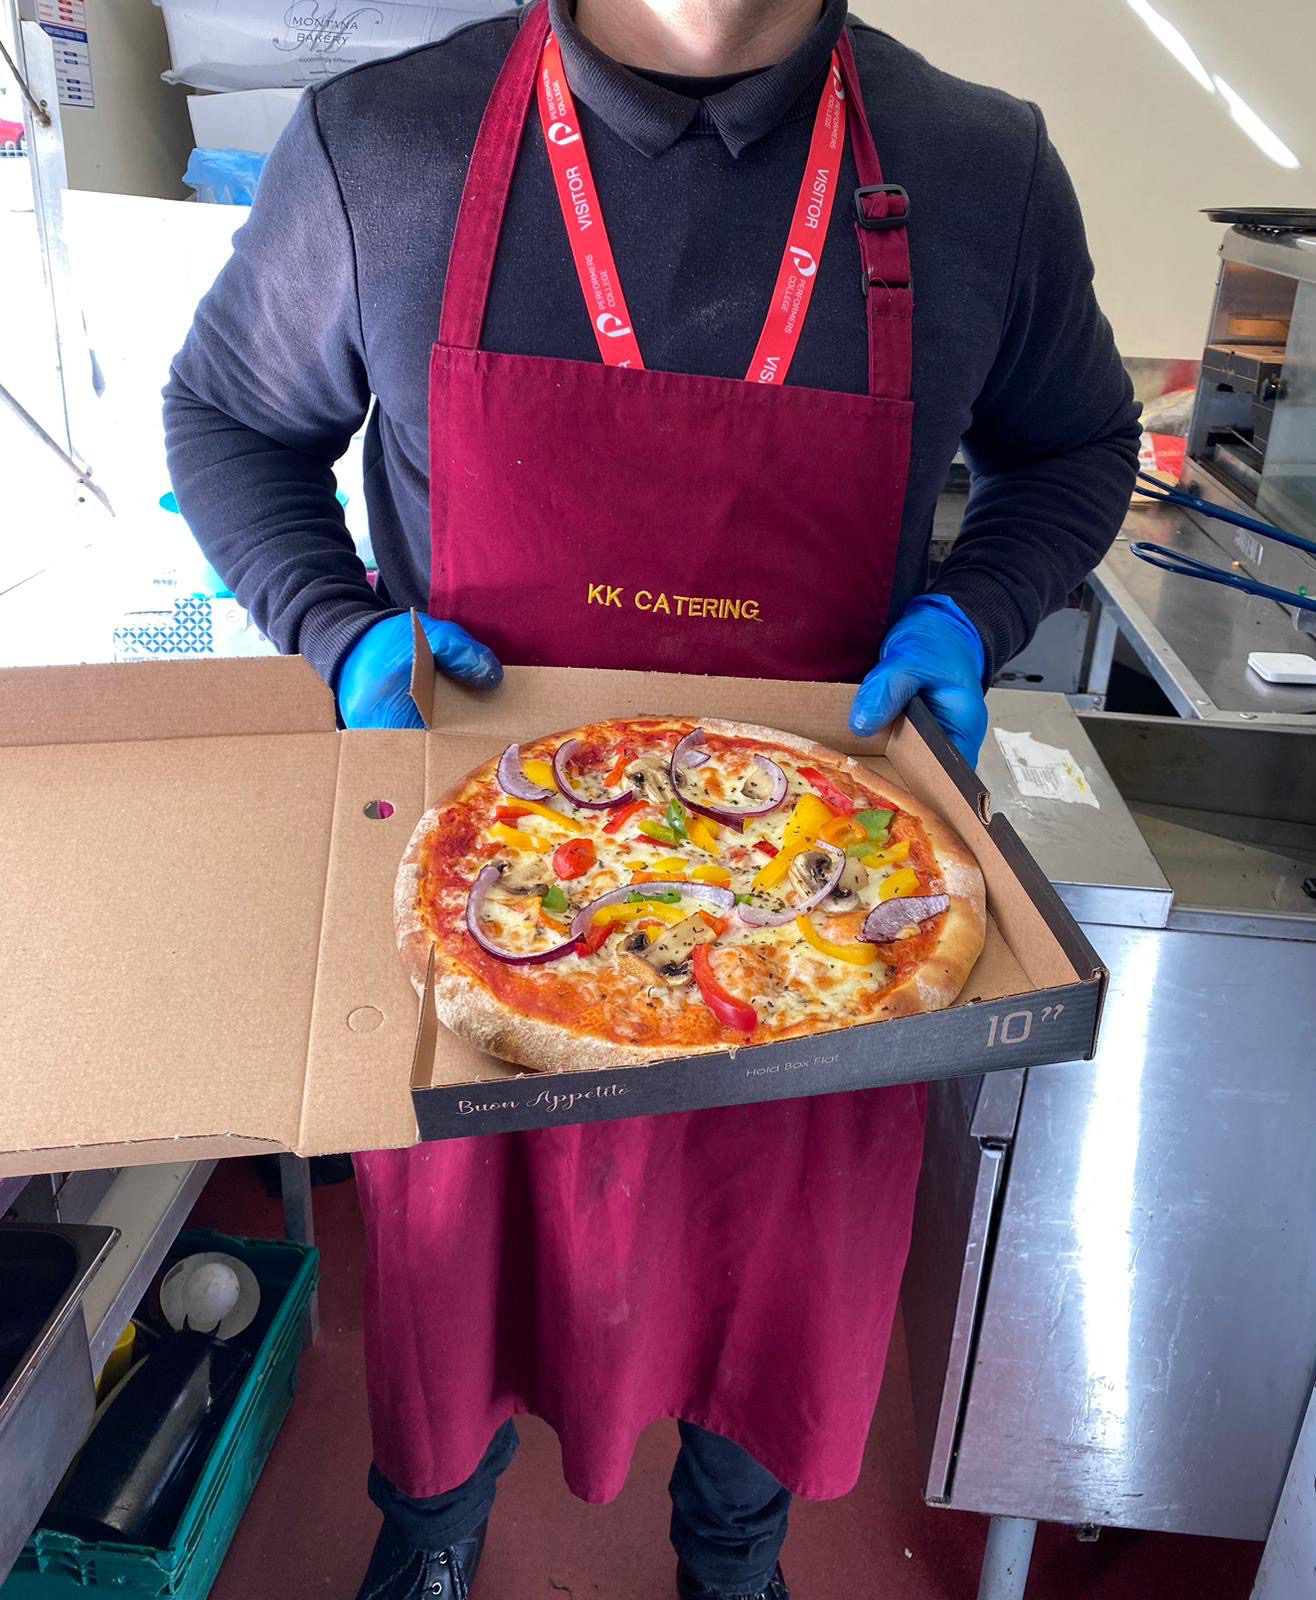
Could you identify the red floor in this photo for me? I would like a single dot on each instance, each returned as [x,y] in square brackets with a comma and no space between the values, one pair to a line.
[309,1528]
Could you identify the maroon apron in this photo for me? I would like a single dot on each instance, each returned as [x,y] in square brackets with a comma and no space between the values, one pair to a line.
[738,1268]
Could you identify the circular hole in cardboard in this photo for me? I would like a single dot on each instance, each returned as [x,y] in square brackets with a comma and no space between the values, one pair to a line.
[365,1019]
[379,810]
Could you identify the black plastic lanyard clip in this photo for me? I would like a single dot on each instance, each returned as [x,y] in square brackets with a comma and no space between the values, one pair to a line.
[881,224]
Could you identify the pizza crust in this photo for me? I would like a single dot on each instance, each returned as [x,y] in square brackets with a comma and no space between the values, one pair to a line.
[474,1013]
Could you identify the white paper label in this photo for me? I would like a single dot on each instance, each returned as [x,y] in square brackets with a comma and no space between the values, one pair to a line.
[1044,771]
[72,65]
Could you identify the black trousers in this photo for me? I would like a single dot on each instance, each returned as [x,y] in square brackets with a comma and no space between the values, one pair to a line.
[728,1513]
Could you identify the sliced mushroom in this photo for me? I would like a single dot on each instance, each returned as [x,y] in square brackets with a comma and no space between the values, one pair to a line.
[853,882]
[810,870]
[518,878]
[756,784]
[649,778]
[637,942]
[671,954]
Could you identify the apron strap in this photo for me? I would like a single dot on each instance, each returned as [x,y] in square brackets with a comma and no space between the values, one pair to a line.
[880,213]
[488,184]
[881,210]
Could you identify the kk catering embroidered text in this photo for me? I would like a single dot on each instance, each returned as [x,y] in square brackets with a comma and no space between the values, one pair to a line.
[712,607]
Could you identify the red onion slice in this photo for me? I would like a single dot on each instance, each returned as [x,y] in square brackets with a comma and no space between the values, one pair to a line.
[484,882]
[688,754]
[726,819]
[780,786]
[757,916]
[561,756]
[723,899]
[512,779]
[890,919]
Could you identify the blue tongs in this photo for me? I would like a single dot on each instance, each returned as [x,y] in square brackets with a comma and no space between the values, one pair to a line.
[1186,566]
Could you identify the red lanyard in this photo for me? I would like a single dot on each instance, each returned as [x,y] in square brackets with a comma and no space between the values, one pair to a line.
[592,250]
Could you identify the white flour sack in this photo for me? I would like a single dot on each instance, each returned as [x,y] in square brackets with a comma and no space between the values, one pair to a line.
[270,44]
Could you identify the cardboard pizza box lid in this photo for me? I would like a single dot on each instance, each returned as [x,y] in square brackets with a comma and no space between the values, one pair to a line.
[196,873]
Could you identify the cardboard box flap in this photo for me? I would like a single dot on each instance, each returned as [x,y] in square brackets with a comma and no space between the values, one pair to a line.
[363,1015]
[533,701]
[161,700]
[161,915]
[934,758]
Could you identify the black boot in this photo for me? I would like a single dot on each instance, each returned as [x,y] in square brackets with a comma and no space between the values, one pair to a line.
[689,1588]
[398,1571]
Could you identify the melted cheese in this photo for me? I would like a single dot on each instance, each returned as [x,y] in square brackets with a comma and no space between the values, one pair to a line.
[786,980]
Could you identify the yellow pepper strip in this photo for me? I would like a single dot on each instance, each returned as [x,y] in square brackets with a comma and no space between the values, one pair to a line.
[892,856]
[807,820]
[899,885]
[643,908]
[703,834]
[539,772]
[567,824]
[711,874]
[809,817]
[775,871]
[514,837]
[842,831]
[858,955]
[636,866]
[670,864]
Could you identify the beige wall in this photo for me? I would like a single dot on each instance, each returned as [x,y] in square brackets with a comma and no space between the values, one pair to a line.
[1146,144]
[137,138]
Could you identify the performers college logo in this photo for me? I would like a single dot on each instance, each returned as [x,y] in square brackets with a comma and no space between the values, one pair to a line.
[805,265]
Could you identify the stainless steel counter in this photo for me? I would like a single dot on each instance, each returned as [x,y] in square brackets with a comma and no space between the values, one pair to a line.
[1193,638]
[1111,1297]
[1094,854]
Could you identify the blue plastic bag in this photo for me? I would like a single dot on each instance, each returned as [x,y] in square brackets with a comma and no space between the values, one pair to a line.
[224,177]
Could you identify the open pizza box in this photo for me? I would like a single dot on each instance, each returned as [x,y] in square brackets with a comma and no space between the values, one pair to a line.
[197,954]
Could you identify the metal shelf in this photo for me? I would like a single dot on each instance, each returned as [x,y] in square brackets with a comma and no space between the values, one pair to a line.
[149,1206]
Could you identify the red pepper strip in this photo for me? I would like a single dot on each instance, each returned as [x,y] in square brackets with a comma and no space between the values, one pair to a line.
[619,768]
[620,818]
[719,925]
[829,792]
[729,1011]
[594,937]
[510,813]
[768,850]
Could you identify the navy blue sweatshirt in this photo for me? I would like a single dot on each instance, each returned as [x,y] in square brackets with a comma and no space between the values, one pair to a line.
[330,304]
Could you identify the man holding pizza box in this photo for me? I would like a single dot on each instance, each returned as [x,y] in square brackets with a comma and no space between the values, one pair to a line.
[672,317]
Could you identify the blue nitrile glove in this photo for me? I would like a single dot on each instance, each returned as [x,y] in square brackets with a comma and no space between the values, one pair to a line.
[374,683]
[933,650]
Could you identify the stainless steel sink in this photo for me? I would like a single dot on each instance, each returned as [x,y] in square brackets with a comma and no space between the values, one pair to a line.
[47,1396]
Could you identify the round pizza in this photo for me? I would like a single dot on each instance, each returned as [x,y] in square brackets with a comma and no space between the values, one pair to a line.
[650,888]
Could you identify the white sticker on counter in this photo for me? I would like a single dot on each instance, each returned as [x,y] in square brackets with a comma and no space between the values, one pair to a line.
[1044,771]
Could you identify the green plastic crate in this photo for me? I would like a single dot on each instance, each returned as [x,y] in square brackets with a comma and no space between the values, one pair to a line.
[57,1565]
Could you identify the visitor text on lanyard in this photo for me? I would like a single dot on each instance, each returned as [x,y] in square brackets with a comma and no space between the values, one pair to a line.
[592,250]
